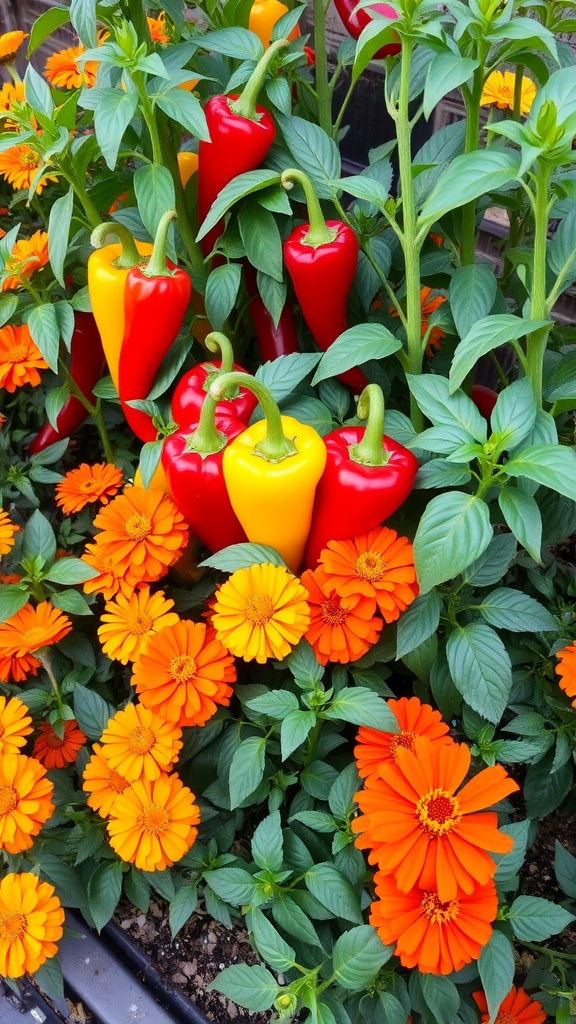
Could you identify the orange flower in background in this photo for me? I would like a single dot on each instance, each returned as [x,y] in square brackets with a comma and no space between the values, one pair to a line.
[55,752]
[10,43]
[15,725]
[25,801]
[338,633]
[427,307]
[139,744]
[415,719]
[32,628]
[111,579]
[157,29]
[31,923]
[10,95]
[261,612]
[434,936]
[19,166]
[141,531]
[153,824]
[27,256]
[62,70]
[88,484]
[102,783]
[566,669]
[499,91]
[128,622]
[517,1008]
[378,565]
[8,531]
[421,827]
[17,670]
[184,673]
[20,358]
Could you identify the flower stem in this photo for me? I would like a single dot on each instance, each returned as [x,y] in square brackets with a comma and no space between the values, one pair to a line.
[43,655]
[536,342]
[468,242]
[92,410]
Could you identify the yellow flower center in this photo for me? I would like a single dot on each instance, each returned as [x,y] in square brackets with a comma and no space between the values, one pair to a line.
[438,912]
[18,353]
[12,925]
[29,159]
[89,485]
[182,668]
[141,740]
[11,263]
[34,637]
[438,812]
[138,526]
[259,609]
[402,739]
[332,613]
[8,800]
[370,566]
[116,782]
[140,624]
[506,1018]
[154,820]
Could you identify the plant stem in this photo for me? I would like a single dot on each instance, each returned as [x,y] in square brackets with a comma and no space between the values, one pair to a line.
[92,215]
[43,655]
[93,410]
[185,227]
[468,241]
[536,342]
[321,68]
[148,115]
[516,112]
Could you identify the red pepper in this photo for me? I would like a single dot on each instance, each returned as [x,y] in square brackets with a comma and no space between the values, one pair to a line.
[355,21]
[241,134]
[274,340]
[155,300]
[190,392]
[86,367]
[321,258]
[193,465]
[367,477]
[484,399]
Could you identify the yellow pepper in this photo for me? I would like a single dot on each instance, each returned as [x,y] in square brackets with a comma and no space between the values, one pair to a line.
[271,471]
[187,165]
[263,16]
[108,267]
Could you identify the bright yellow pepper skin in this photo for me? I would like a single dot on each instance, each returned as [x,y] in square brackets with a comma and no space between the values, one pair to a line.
[263,16]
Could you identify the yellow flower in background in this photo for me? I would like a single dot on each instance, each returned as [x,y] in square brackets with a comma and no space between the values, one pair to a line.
[499,91]
[19,166]
[31,923]
[15,725]
[8,531]
[62,70]
[27,255]
[10,94]
[10,43]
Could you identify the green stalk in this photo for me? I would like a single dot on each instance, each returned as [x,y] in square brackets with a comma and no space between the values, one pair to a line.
[319,233]
[148,115]
[206,439]
[518,78]
[536,342]
[275,446]
[321,67]
[92,410]
[92,215]
[245,105]
[370,451]
[468,242]
[220,344]
[187,232]
[137,15]
[156,266]
[129,256]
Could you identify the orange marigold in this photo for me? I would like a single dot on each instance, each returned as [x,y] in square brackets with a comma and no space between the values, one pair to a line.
[143,531]
[19,166]
[157,28]
[184,673]
[102,783]
[25,801]
[8,531]
[20,358]
[435,936]
[420,829]
[378,564]
[566,669]
[153,824]
[139,744]
[15,725]
[427,307]
[32,628]
[128,622]
[415,719]
[517,1008]
[27,255]
[17,670]
[110,580]
[10,43]
[87,484]
[53,751]
[63,71]
[31,923]
[338,633]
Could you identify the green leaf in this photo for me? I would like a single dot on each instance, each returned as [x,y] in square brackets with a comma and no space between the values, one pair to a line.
[561,250]
[239,556]
[71,601]
[8,306]
[92,712]
[441,996]
[496,968]
[252,987]
[270,944]
[38,538]
[182,907]
[233,885]
[50,981]
[313,150]
[534,919]
[510,863]
[303,665]
[443,409]
[362,186]
[243,185]
[472,294]
[294,730]
[553,466]
[354,347]
[510,609]
[439,473]
[333,891]
[486,335]
[281,375]
[137,889]
[154,189]
[112,116]
[489,568]
[70,571]
[380,32]
[293,920]
[468,177]
[267,844]
[48,22]
[246,769]
[310,411]
[185,110]
[544,790]
[480,668]
[12,599]
[340,798]
[418,622]
[43,326]
[275,704]
[454,530]
[357,957]
[514,414]
[37,92]
[445,72]
[104,889]
[560,382]
[221,291]
[261,238]
[236,42]
[361,706]
[83,18]
[565,868]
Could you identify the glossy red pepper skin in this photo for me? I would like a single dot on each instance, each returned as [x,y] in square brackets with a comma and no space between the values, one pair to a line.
[274,340]
[322,276]
[484,399]
[353,498]
[198,487]
[87,364]
[190,392]
[354,22]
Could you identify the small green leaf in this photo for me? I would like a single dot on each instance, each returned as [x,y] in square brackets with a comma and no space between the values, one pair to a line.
[441,996]
[221,292]
[334,891]
[523,517]
[246,769]
[275,704]
[467,177]
[104,889]
[443,409]
[454,530]
[267,843]
[238,556]
[252,987]
[112,116]
[48,22]
[472,293]
[356,346]
[233,885]
[418,622]
[38,538]
[313,150]
[362,706]
[480,668]
[496,967]
[242,185]
[486,335]
[490,566]
[507,608]
[154,187]
[534,919]
[185,110]
[295,728]
[182,907]
[445,72]
[43,326]
[70,571]
[357,957]
[283,374]
[552,466]
[270,944]
[92,712]
[565,868]
[12,599]
[514,414]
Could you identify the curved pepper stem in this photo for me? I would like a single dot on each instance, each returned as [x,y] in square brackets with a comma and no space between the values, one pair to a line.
[129,257]
[222,346]
[206,439]
[318,233]
[370,451]
[245,105]
[156,266]
[275,446]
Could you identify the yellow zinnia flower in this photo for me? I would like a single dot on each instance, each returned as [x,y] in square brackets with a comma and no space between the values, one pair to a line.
[31,923]
[139,744]
[8,531]
[129,621]
[15,725]
[10,43]
[25,801]
[102,783]
[499,90]
[153,824]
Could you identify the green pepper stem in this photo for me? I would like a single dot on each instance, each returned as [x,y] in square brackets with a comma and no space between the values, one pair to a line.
[206,439]
[156,266]
[318,231]
[275,446]
[245,105]
[370,451]
[219,343]
[129,257]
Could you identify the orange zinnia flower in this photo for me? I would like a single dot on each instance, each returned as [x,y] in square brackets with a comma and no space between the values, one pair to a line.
[87,484]
[415,719]
[139,744]
[62,70]
[143,531]
[10,43]
[111,580]
[183,674]
[566,669]
[516,1008]
[427,307]
[378,565]
[157,28]
[8,531]
[418,828]
[17,670]
[338,633]
[15,725]
[32,628]
[28,255]
[54,752]
[434,936]
[20,358]
[19,165]
[153,824]
[499,90]
[102,783]
[25,801]
[128,622]
[31,923]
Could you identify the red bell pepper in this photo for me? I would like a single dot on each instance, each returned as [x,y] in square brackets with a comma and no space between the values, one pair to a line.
[193,465]
[367,477]
[274,340]
[321,258]
[484,399]
[86,367]
[155,300]
[192,388]
[355,21]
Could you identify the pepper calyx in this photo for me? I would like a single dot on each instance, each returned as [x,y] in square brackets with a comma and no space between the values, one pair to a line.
[274,446]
